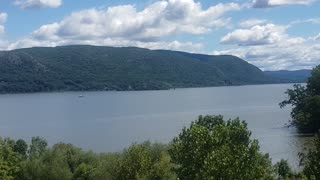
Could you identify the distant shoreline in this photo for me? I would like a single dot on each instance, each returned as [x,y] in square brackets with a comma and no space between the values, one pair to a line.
[178,88]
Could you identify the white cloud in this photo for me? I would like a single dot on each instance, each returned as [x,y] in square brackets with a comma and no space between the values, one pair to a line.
[173,45]
[125,25]
[310,20]
[317,37]
[256,35]
[158,20]
[274,3]
[36,4]
[252,22]
[278,57]
[3,43]
[277,49]
[3,18]
[1,29]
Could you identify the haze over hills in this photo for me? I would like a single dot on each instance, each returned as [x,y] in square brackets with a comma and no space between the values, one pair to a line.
[82,67]
[298,76]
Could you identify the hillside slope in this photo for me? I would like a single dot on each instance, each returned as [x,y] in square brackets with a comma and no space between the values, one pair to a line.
[79,68]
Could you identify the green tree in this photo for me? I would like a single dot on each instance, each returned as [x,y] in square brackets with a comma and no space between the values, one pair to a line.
[107,166]
[37,147]
[84,172]
[145,162]
[59,162]
[9,160]
[306,103]
[283,169]
[21,147]
[212,148]
[314,81]
[311,161]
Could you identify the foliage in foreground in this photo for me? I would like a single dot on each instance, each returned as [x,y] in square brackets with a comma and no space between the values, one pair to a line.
[311,161]
[283,169]
[65,161]
[306,103]
[214,149]
[210,148]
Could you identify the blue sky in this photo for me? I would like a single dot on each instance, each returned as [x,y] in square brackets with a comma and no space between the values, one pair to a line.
[271,34]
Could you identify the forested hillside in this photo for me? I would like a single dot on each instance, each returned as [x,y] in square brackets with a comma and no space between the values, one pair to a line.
[77,68]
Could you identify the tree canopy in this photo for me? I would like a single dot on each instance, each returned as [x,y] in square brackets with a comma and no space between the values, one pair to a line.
[212,148]
[306,103]
[311,161]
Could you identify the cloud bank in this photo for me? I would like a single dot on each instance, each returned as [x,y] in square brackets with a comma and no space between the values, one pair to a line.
[270,47]
[256,35]
[125,25]
[3,19]
[37,4]
[274,3]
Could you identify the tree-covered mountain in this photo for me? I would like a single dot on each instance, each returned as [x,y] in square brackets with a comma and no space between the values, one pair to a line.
[285,76]
[83,67]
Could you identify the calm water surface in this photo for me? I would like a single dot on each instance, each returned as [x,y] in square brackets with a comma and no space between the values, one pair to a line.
[110,121]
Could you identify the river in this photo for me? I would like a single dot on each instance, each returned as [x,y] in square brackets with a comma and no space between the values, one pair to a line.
[111,121]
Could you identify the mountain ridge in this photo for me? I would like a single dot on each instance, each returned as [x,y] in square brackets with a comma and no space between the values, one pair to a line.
[85,68]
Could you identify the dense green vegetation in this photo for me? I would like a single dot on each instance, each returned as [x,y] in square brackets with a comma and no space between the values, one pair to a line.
[306,103]
[76,68]
[210,148]
[311,161]
[214,149]
[283,170]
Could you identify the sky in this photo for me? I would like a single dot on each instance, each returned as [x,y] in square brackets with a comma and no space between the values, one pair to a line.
[271,34]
